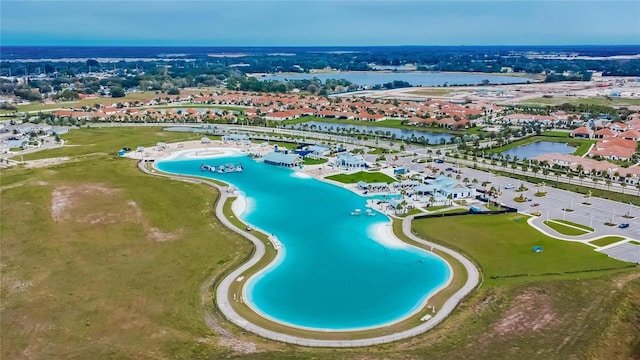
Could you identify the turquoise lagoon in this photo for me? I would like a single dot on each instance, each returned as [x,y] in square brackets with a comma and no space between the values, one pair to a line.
[334,272]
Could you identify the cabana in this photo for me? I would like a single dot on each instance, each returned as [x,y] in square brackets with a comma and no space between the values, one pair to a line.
[376,186]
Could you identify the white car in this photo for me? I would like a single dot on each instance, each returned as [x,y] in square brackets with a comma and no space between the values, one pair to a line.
[509,186]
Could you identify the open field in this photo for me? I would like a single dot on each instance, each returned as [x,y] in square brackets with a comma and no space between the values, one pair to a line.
[85,141]
[107,101]
[361,176]
[509,254]
[101,261]
[614,102]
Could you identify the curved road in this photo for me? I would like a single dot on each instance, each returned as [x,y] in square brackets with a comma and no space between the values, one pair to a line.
[222,292]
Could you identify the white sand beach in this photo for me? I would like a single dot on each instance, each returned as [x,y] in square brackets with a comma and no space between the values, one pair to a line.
[383,234]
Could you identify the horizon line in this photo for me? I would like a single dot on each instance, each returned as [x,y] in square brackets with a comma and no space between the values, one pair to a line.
[312,46]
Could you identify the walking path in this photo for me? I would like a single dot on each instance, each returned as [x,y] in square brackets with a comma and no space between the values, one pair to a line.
[222,291]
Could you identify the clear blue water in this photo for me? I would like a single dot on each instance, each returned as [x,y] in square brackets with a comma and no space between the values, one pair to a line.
[413,78]
[532,150]
[332,274]
[434,138]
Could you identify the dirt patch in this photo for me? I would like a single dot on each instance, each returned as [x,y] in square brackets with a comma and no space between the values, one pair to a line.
[237,345]
[95,204]
[65,198]
[529,311]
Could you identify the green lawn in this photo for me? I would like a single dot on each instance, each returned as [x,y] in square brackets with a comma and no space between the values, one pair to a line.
[503,246]
[369,177]
[109,140]
[311,161]
[563,229]
[606,240]
[561,134]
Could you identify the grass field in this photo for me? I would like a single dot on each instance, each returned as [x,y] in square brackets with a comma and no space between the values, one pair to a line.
[563,229]
[606,240]
[85,141]
[37,107]
[101,261]
[310,161]
[586,101]
[505,250]
[362,176]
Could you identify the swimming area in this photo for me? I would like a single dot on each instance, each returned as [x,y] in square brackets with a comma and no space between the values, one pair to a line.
[335,271]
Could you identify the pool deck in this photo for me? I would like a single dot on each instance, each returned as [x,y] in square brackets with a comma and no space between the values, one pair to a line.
[222,291]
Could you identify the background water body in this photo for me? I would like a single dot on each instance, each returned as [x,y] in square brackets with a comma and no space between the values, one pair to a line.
[433,137]
[333,275]
[413,78]
[538,148]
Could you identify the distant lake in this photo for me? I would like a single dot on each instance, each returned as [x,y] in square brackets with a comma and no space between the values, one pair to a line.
[433,137]
[532,150]
[413,78]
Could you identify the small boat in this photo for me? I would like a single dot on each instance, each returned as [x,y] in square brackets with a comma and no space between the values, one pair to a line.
[356,212]
[204,167]
[221,169]
[370,212]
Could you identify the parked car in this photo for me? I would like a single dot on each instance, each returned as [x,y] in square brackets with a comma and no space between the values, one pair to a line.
[623,226]
[449,169]
[535,204]
[509,186]
[439,161]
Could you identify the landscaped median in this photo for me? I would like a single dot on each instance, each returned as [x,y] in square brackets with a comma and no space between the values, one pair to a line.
[569,228]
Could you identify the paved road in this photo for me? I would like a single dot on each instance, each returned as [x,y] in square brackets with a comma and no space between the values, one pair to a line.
[222,292]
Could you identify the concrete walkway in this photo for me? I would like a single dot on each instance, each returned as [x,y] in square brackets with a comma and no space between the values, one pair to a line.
[222,292]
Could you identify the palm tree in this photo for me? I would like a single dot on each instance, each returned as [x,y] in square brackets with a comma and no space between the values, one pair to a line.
[475,182]
[624,185]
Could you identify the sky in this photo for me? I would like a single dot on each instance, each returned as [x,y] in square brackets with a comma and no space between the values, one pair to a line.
[318,22]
